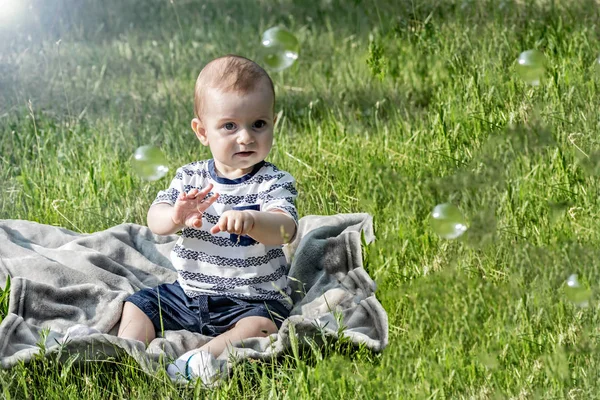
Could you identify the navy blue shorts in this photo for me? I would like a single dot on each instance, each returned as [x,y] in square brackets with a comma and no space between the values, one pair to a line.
[205,314]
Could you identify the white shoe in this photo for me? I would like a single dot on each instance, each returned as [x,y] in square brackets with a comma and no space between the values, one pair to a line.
[197,364]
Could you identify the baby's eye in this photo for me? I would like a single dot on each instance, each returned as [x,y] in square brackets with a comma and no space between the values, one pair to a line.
[260,124]
[229,126]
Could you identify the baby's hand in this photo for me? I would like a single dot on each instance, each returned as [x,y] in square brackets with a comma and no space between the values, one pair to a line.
[233,221]
[189,207]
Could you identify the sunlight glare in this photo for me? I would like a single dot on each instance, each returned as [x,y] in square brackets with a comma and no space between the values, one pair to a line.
[10,9]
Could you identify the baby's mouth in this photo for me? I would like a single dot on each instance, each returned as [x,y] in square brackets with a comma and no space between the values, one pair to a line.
[244,153]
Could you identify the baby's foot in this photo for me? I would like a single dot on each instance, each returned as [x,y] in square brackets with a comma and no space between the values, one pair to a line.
[78,331]
[197,364]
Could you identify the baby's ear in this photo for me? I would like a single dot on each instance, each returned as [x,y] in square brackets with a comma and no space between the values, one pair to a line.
[199,130]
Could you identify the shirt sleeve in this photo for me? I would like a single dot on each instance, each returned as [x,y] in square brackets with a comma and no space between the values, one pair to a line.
[171,194]
[281,195]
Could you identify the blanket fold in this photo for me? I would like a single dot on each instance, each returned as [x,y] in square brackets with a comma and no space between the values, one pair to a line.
[60,278]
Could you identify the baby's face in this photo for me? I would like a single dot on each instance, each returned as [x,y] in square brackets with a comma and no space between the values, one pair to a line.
[238,128]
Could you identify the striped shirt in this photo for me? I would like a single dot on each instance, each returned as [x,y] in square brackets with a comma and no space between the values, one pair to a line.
[226,264]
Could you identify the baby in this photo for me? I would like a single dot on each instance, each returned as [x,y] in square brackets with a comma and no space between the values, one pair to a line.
[235,212]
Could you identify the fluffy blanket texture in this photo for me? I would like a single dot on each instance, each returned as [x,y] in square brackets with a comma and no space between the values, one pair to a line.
[60,278]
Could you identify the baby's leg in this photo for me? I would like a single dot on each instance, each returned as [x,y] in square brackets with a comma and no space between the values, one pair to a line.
[245,328]
[135,324]
[202,363]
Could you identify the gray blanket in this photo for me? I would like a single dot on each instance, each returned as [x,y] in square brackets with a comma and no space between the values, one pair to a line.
[60,278]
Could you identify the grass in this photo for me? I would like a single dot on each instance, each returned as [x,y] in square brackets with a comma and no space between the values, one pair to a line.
[391,109]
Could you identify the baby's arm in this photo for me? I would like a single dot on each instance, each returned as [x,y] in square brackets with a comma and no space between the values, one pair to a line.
[272,227]
[160,221]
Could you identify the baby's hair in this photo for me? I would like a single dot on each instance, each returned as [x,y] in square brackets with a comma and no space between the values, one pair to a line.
[230,73]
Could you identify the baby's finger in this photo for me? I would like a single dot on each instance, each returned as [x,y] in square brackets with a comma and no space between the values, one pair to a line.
[220,226]
[213,198]
[230,225]
[207,202]
[201,194]
[238,227]
[206,190]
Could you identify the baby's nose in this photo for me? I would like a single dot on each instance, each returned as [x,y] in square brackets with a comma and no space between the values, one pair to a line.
[244,137]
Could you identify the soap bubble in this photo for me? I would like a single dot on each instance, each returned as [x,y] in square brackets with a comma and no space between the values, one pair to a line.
[531,66]
[280,48]
[149,163]
[577,294]
[447,221]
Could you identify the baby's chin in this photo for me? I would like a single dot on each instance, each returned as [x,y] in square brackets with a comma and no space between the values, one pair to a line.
[243,164]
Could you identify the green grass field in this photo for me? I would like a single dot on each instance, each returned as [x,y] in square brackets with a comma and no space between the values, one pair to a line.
[393,107]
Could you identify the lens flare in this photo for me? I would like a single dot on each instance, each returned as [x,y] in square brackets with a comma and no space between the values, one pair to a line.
[11,9]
